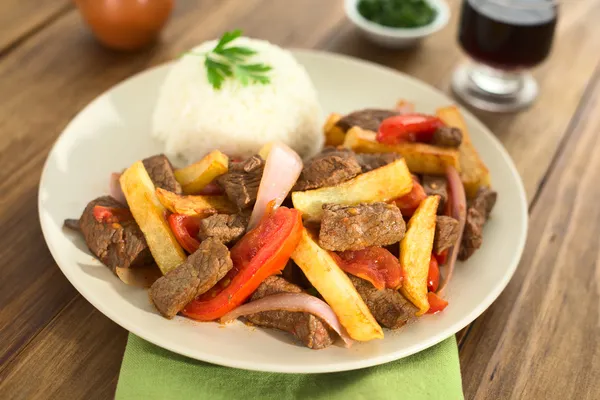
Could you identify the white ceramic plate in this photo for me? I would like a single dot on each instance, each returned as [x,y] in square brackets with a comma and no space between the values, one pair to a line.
[113,131]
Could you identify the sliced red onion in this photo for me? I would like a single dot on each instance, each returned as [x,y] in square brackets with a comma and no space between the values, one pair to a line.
[458,201]
[282,169]
[115,188]
[296,302]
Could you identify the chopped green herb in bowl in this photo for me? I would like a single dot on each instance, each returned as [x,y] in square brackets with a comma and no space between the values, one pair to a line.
[397,13]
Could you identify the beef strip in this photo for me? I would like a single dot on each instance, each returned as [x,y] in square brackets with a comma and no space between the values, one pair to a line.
[198,274]
[356,227]
[436,185]
[484,201]
[161,172]
[328,169]
[388,306]
[223,227]
[447,136]
[371,161]
[72,224]
[446,233]
[309,329]
[369,119]
[477,214]
[116,244]
[242,180]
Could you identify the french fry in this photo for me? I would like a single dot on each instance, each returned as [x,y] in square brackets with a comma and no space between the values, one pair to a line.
[265,150]
[382,184]
[421,158]
[195,177]
[149,214]
[415,253]
[195,205]
[473,172]
[336,288]
[334,135]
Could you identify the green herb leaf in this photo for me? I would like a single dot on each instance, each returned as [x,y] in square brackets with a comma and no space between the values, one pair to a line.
[229,62]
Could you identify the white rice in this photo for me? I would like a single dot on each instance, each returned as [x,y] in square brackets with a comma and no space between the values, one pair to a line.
[192,118]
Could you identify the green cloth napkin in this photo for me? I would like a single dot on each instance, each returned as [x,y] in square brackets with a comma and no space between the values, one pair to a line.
[150,372]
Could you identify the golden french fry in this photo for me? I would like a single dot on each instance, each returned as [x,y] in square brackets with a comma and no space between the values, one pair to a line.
[382,184]
[195,205]
[195,177]
[149,214]
[421,158]
[473,172]
[336,288]
[334,135]
[415,253]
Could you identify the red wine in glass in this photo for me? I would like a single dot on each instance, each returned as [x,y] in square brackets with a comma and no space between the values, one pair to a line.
[503,37]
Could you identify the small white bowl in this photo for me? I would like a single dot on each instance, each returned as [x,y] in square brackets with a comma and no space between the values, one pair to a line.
[397,37]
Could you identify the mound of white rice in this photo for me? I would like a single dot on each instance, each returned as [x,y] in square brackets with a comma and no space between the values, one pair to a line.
[192,118]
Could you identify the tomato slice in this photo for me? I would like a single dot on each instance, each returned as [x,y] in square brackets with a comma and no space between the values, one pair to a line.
[110,215]
[433,277]
[262,252]
[408,128]
[212,189]
[374,264]
[442,258]
[409,203]
[185,228]
[436,303]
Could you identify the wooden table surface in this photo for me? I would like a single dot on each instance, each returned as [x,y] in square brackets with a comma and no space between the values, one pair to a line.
[539,340]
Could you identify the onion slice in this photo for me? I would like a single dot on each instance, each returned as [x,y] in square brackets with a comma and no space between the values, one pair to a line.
[296,302]
[115,188]
[282,169]
[458,202]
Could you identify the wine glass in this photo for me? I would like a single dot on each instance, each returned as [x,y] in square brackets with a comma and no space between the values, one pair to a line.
[504,38]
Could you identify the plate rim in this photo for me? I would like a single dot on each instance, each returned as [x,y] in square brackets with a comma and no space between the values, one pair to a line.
[349,365]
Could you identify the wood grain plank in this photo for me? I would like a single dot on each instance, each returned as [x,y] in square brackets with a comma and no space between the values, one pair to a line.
[95,69]
[20,18]
[541,339]
[86,369]
[531,137]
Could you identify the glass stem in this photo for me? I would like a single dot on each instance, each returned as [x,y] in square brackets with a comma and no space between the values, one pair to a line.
[496,82]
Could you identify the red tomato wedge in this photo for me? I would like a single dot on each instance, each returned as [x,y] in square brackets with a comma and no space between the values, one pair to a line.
[110,215]
[409,202]
[442,258]
[262,252]
[374,264]
[408,128]
[185,228]
[436,303]
[433,278]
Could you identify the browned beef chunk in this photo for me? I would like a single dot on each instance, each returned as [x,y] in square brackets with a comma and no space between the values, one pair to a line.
[356,227]
[72,224]
[223,227]
[446,233]
[388,306]
[328,169]
[371,161]
[447,136]
[242,180]
[477,214]
[161,172]
[369,119]
[484,201]
[472,235]
[436,185]
[309,329]
[116,243]
[199,273]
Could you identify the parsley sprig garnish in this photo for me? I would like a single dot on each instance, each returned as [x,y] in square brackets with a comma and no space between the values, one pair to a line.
[225,62]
